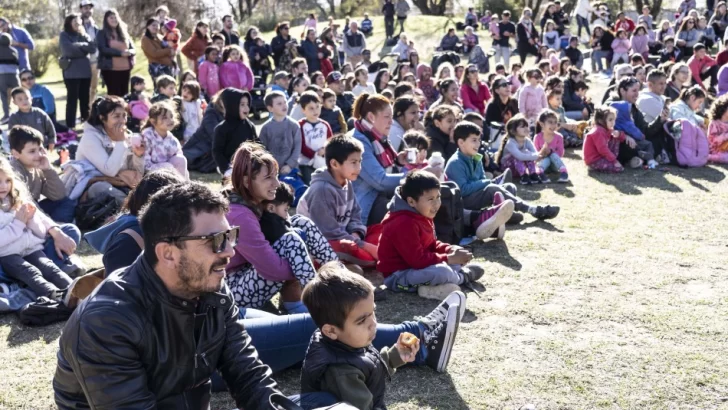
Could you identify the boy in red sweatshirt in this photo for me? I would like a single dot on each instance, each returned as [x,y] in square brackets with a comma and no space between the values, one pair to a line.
[702,66]
[410,256]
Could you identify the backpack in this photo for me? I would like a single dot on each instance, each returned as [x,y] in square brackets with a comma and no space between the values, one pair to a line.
[442,57]
[691,149]
[449,222]
[43,312]
[93,213]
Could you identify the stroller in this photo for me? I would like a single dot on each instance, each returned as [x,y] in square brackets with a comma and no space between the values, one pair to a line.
[480,59]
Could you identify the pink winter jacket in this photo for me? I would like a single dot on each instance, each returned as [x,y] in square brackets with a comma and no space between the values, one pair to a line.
[531,101]
[718,136]
[209,78]
[620,46]
[236,74]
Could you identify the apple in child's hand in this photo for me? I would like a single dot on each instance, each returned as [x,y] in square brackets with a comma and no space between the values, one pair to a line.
[408,345]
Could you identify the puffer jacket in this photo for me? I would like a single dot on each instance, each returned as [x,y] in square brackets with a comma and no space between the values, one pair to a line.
[236,74]
[132,344]
[18,238]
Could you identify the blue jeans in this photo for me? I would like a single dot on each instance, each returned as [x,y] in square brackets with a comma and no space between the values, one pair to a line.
[50,249]
[62,211]
[574,115]
[552,163]
[582,22]
[597,57]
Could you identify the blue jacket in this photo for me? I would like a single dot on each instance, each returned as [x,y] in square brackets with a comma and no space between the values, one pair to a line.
[373,178]
[624,120]
[21,36]
[42,96]
[467,172]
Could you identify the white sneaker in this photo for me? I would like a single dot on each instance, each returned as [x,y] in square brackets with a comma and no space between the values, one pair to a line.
[437,292]
[652,164]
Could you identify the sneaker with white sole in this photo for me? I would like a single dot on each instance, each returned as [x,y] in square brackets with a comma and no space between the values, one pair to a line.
[503,178]
[635,162]
[472,273]
[437,292]
[492,218]
[563,178]
[440,329]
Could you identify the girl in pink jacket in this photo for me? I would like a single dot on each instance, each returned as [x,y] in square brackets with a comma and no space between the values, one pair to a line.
[718,131]
[620,47]
[209,72]
[234,71]
[532,99]
[640,42]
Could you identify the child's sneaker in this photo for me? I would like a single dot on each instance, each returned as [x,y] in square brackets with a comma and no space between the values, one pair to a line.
[471,273]
[635,162]
[439,329]
[525,180]
[498,198]
[73,267]
[546,212]
[502,178]
[563,178]
[543,178]
[535,179]
[492,218]
[437,292]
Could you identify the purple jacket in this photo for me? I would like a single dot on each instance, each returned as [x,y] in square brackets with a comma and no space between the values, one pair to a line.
[723,80]
[253,248]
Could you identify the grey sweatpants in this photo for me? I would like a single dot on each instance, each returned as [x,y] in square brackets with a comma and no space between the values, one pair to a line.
[484,198]
[7,83]
[407,280]
[37,271]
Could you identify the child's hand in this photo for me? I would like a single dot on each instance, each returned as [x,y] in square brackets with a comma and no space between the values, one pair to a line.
[616,134]
[321,152]
[631,142]
[459,257]
[45,164]
[139,149]
[25,213]
[407,353]
[285,170]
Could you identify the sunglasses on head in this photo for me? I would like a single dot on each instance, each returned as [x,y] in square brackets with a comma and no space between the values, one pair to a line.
[219,241]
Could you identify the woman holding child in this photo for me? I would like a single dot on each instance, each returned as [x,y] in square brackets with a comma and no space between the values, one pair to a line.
[160,58]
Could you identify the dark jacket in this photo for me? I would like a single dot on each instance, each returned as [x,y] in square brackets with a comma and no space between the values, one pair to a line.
[279,46]
[232,38]
[335,119]
[309,50]
[605,42]
[648,129]
[106,53]
[198,149]
[449,43]
[440,142]
[132,344]
[388,10]
[496,111]
[571,101]
[232,132]
[8,55]
[523,36]
[345,101]
[76,48]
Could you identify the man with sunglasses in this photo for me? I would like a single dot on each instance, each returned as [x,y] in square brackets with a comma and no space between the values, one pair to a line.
[152,334]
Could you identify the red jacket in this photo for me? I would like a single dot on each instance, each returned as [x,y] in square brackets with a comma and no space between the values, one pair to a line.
[722,58]
[596,145]
[475,101]
[628,25]
[408,240]
[697,66]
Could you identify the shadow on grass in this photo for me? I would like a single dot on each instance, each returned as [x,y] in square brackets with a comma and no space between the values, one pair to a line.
[423,388]
[713,174]
[630,181]
[21,334]
[497,251]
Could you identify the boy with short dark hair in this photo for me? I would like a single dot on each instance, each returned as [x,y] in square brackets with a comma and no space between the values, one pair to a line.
[417,140]
[32,117]
[332,114]
[568,128]
[670,52]
[703,66]
[412,259]
[31,164]
[330,202]
[281,135]
[167,90]
[341,359]
[315,133]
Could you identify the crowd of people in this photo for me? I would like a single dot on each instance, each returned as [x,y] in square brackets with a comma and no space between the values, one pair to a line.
[359,166]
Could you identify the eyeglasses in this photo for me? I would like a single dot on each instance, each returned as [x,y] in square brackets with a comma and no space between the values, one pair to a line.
[24,79]
[219,242]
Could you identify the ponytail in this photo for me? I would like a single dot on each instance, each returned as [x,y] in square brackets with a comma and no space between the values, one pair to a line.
[369,103]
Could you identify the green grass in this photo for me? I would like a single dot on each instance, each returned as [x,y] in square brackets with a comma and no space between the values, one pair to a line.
[618,303]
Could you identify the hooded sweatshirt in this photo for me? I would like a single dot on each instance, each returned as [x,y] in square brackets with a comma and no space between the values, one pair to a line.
[333,208]
[232,132]
[9,63]
[723,80]
[624,120]
[408,239]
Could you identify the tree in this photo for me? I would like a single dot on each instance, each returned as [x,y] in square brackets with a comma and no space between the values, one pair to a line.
[136,12]
[39,17]
[242,9]
[431,7]
[655,7]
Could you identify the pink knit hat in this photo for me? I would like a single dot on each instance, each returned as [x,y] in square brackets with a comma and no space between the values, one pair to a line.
[170,24]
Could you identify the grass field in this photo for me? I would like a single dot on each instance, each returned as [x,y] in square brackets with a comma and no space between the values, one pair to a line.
[619,303]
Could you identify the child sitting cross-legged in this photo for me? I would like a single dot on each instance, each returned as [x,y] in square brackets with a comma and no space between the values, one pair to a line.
[601,145]
[517,151]
[331,204]
[568,128]
[718,131]
[23,231]
[331,113]
[162,149]
[550,145]
[411,257]
[341,359]
[281,135]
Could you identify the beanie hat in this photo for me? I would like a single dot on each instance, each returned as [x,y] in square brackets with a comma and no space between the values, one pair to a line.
[171,24]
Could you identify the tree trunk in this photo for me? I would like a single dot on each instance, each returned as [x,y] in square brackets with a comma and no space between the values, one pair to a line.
[431,7]
[332,7]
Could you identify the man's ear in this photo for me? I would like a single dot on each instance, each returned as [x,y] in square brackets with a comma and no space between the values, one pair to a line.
[330,331]
[167,254]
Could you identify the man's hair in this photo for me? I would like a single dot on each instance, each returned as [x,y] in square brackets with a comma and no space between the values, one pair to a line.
[340,147]
[152,183]
[416,139]
[18,90]
[655,75]
[417,183]
[170,212]
[20,135]
[333,293]
[284,195]
[227,16]
[164,81]
[271,96]
[307,98]
[464,129]
[473,116]
[581,85]
[296,62]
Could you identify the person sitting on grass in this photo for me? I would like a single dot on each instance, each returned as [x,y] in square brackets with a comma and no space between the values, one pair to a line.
[568,128]
[412,259]
[32,117]
[642,145]
[341,359]
[281,135]
[162,149]
[601,144]
[234,130]
[517,152]
[167,91]
[718,131]
[32,166]
[315,133]
[417,140]
[550,145]
[331,204]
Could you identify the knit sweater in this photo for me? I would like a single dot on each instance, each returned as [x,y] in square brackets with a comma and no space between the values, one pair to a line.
[283,140]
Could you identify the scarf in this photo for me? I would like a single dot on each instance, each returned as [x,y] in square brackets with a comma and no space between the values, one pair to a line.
[382,150]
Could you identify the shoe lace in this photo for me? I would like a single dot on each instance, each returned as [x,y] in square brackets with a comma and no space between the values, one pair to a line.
[433,322]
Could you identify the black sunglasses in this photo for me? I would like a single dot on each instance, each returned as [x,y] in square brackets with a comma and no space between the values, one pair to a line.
[24,79]
[219,242]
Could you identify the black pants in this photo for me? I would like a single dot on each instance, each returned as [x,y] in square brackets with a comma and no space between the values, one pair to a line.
[626,153]
[401,20]
[712,73]
[117,82]
[389,27]
[77,93]
[663,142]
[379,209]
[525,49]
[37,271]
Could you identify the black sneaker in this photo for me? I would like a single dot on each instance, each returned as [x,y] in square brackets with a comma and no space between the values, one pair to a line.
[544,179]
[563,178]
[535,179]
[503,178]
[440,329]
[516,219]
[472,272]
[546,212]
[525,180]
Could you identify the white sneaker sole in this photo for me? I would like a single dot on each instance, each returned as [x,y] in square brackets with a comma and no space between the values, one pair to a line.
[451,332]
[502,215]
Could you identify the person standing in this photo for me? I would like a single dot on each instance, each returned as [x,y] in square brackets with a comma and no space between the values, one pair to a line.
[116,54]
[195,46]
[507,30]
[388,12]
[527,36]
[402,9]
[9,65]
[231,37]
[583,12]
[87,10]
[75,61]
[160,59]
[22,41]
[354,44]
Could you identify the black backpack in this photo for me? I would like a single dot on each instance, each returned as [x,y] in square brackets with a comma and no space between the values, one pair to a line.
[43,312]
[93,213]
[449,222]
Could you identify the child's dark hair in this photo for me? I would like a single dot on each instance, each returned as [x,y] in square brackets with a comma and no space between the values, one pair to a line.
[233,47]
[473,116]
[215,37]
[136,80]
[465,129]
[159,109]
[544,66]
[402,104]
[329,93]
[444,84]
[552,82]
[307,98]
[19,90]
[164,81]
[339,148]
[284,196]
[210,49]
[315,88]
[602,113]
[20,135]
[544,116]
[534,73]
[439,113]
[554,93]
[271,96]
[581,85]
[417,183]
[694,91]
[719,107]
[193,87]
[333,293]
[637,58]
[512,125]
[403,89]
[416,139]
